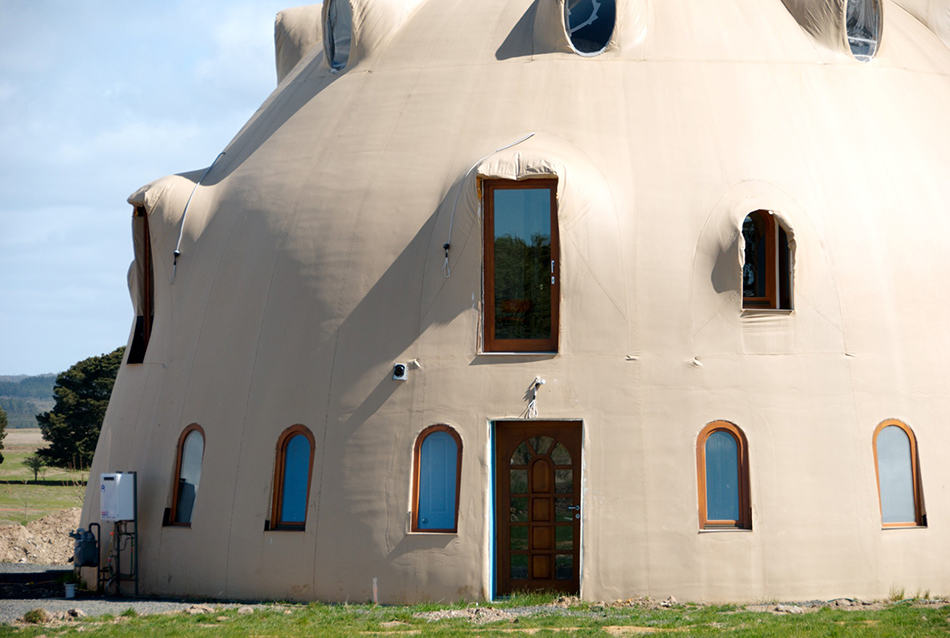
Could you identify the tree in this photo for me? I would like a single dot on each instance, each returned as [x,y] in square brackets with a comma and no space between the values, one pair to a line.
[35,463]
[3,430]
[82,396]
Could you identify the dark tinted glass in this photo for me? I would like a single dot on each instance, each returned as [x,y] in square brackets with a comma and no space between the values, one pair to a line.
[590,23]
[755,233]
[522,263]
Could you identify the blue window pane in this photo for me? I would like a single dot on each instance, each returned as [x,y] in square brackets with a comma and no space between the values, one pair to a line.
[895,476]
[296,470]
[192,451]
[722,477]
[437,474]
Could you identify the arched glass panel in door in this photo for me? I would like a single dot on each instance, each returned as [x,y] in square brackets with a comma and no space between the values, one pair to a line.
[543,512]
[437,471]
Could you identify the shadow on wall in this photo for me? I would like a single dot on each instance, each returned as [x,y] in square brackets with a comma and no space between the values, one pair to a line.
[725,272]
[520,42]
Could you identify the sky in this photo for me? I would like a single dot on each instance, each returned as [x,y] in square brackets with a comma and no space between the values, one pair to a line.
[97,98]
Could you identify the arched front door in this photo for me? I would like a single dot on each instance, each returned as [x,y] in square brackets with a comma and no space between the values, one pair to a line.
[537,514]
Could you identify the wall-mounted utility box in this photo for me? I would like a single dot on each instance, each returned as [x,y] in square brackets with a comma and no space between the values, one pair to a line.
[117,496]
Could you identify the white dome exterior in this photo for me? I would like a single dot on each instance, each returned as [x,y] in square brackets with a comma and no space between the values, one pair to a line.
[312,261]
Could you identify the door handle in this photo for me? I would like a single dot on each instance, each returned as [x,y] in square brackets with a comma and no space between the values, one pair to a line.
[574,507]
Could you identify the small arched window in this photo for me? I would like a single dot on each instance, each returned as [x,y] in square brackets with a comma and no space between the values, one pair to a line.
[437,471]
[191,449]
[898,475]
[292,474]
[767,265]
[863,24]
[338,33]
[590,24]
[722,465]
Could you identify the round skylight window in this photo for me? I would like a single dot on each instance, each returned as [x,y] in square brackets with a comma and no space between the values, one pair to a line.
[863,21]
[590,23]
[338,33]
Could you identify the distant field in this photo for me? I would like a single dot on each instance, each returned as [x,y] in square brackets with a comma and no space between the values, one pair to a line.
[21,500]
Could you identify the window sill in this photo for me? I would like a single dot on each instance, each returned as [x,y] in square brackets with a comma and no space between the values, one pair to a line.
[720,530]
[432,533]
[766,312]
[516,354]
[892,528]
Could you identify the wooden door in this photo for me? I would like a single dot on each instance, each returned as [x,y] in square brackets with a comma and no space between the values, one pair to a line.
[538,515]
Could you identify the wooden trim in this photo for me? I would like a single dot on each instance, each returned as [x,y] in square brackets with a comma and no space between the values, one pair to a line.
[173,511]
[771,265]
[416,460]
[148,287]
[492,344]
[745,504]
[919,512]
[277,499]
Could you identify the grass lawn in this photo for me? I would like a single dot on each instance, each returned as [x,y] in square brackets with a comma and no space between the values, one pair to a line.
[21,500]
[905,619]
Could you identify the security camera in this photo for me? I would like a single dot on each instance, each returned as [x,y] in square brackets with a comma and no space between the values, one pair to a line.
[400,372]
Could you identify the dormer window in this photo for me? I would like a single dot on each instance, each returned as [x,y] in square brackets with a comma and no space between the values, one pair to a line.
[863,22]
[589,24]
[766,268]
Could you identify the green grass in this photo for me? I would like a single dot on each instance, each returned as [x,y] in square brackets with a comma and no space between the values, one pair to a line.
[583,619]
[21,500]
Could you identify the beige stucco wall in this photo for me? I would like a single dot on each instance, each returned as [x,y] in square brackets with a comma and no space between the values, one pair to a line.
[312,260]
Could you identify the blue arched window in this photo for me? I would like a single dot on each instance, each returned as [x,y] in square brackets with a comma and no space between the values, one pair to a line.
[898,475]
[723,473]
[438,467]
[292,478]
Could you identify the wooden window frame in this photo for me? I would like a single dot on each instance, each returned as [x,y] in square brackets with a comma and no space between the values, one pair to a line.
[280,466]
[173,511]
[491,344]
[745,507]
[774,272]
[417,462]
[147,291]
[920,514]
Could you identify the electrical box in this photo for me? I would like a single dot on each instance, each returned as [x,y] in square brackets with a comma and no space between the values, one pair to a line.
[117,496]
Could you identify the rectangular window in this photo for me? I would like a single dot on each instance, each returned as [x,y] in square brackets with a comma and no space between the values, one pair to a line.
[522,273]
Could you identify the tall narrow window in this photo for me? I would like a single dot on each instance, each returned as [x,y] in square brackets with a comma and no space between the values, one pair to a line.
[191,449]
[522,272]
[898,475]
[722,466]
[292,474]
[766,268]
[436,475]
[143,285]
[863,24]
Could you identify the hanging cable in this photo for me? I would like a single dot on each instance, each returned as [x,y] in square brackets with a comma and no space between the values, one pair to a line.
[181,229]
[446,269]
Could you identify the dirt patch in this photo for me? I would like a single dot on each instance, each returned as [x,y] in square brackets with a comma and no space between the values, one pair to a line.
[44,541]
[476,615]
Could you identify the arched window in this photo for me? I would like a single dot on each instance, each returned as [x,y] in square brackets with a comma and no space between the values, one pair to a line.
[142,282]
[589,24]
[191,449]
[436,476]
[863,24]
[292,473]
[522,268]
[767,266]
[338,33]
[722,467]
[898,475]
